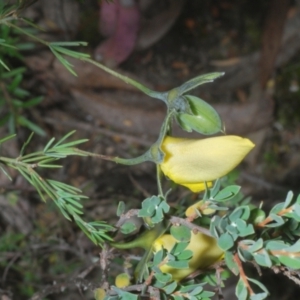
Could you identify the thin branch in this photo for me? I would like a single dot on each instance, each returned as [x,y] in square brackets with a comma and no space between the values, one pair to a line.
[242,273]
[269,219]
[180,221]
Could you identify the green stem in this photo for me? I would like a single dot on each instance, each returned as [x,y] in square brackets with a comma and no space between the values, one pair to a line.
[27,33]
[124,161]
[158,178]
[32,155]
[147,91]
[14,162]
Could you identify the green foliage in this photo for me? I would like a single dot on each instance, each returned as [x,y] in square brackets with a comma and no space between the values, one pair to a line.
[154,208]
[245,233]
[67,198]
[14,100]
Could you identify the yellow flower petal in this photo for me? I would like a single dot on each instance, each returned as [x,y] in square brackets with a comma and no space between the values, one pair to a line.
[205,253]
[190,162]
[197,187]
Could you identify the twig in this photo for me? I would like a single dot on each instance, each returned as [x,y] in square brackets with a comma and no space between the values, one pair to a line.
[125,217]
[287,273]
[105,257]
[269,219]
[242,273]
[180,221]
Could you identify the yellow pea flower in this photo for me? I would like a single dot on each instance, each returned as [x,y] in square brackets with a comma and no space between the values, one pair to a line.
[191,162]
[205,253]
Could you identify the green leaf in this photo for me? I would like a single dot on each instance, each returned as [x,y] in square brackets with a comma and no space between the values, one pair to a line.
[294,248]
[149,206]
[262,258]
[158,257]
[241,212]
[68,52]
[275,245]
[244,228]
[260,296]
[295,214]
[35,128]
[163,277]
[193,83]
[63,61]
[257,245]
[169,289]
[5,173]
[179,247]
[290,261]
[64,138]
[178,297]
[231,264]
[181,233]
[261,286]
[128,227]
[124,295]
[227,193]
[188,288]
[154,207]
[298,199]
[225,241]
[277,208]
[4,65]
[232,229]
[13,73]
[121,208]
[277,221]
[288,199]
[185,255]
[241,290]
[9,137]
[15,82]
[182,264]
[214,190]
[196,291]
[32,102]
[69,44]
